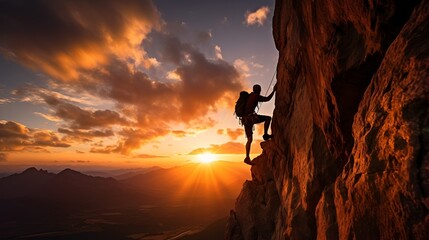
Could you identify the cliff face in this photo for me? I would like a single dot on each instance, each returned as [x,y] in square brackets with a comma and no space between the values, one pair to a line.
[349,159]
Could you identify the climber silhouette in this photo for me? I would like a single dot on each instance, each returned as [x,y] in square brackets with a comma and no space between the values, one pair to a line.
[251,117]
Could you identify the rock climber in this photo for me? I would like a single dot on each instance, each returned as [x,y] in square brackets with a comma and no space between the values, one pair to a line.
[251,117]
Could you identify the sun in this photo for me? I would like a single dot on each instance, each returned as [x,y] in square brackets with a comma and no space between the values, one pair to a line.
[206,157]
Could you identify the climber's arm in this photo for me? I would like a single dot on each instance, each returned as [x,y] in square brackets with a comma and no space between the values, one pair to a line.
[268,98]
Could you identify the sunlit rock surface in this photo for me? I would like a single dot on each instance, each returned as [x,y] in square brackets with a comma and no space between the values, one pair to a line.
[349,159]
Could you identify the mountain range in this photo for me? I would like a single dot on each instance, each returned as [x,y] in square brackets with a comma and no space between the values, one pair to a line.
[177,197]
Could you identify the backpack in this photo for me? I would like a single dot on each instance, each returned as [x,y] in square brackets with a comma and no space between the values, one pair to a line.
[240,105]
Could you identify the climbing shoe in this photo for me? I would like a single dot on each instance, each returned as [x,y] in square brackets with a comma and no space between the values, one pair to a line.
[267,136]
[248,161]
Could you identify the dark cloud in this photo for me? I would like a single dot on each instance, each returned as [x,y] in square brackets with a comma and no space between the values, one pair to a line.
[132,139]
[11,130]
[15,136]
[105,150]
[79,118]
[85,135]
[47,139]
[62,37]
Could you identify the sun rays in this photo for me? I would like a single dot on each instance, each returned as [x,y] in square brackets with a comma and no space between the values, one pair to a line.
[206,157]
[211,182]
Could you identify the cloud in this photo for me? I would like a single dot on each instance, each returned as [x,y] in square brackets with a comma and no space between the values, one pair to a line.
[148,156]
[227,148]
[242,66]
[5,101]
[79,118]
[3,157]
[204,86]
[258,17]
[47,139]
[95,51]
[172,75]
[218,52]
[64,37]
[105,150]
[131,139]
[9,130]
[15,136]
[85,135]
[49,117]
[181,133]
[232,133]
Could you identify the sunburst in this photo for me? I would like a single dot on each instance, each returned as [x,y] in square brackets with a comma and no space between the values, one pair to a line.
[206,157]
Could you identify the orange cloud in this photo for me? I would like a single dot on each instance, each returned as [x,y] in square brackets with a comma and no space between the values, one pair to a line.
[15,136]
[233,134]
[99,47]
[63,38]
[181,133]
[204,87]
[258,17]
[148,156]
[132,139]
[228,148]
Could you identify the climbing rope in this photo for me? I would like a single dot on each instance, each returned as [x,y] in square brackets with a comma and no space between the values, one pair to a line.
[260,104]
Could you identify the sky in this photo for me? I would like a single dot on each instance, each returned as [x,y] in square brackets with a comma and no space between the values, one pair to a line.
[132,83]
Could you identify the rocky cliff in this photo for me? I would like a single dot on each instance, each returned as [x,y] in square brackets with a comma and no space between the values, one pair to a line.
[349,159]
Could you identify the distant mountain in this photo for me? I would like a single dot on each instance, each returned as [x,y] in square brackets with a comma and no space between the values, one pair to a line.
[23,184]
[156,201]
[119,174]
[66,191]
[135,172]
[218,180]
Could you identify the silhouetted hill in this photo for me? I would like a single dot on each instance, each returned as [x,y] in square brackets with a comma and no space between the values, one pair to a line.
[73,205]
[119,174]
[22,184]
[35,192]
[218,180]
[134,172]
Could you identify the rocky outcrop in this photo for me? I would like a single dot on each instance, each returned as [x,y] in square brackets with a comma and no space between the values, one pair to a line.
[257,207]
[349,159]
